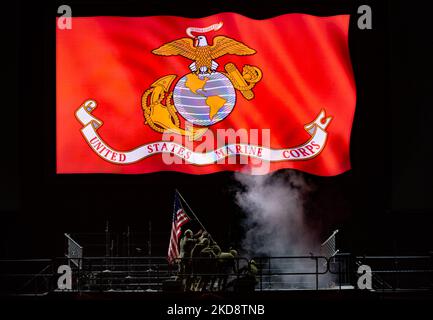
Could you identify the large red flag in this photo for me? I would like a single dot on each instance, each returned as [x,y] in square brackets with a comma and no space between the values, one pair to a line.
[224,92]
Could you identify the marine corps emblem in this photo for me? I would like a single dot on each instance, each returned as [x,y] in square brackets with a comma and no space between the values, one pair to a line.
[204,96]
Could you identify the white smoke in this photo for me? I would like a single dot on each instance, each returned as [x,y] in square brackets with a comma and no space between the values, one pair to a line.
[275,225]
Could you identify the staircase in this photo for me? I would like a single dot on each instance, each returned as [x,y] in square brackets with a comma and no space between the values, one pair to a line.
[124,275]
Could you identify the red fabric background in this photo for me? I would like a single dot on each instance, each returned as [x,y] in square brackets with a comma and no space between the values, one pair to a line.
[304,59]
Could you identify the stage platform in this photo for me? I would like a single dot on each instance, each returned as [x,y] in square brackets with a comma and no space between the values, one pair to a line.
[256,296]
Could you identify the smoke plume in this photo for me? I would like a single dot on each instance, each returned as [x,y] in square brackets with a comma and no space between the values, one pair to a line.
[275,224]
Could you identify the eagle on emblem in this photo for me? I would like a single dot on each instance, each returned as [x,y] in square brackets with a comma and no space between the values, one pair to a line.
[202,53]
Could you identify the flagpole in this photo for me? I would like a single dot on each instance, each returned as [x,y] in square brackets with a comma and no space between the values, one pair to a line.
[177,191]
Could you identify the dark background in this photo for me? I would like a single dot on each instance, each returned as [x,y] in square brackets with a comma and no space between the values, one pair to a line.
[382,206]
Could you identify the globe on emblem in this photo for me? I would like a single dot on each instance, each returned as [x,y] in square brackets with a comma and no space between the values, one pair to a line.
[204,99]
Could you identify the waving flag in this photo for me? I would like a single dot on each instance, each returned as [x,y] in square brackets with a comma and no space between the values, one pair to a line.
[179,219]
[224,92]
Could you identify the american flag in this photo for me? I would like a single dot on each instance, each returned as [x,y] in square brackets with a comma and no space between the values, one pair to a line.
[179,219]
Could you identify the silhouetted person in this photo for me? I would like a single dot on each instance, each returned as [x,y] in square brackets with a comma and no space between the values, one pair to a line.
[217,251]
[207,265]
[196,262]
[187,243]
[226,265]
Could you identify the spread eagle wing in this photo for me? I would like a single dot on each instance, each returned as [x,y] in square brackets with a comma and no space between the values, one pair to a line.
[224,45]
[184,47]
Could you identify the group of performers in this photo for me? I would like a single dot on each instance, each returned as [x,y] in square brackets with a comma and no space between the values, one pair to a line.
[203,266]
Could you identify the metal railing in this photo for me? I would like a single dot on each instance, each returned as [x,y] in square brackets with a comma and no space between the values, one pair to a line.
[296,272]
[153,274]
[329,248]
[24,276]
[74,251]
[400,272]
